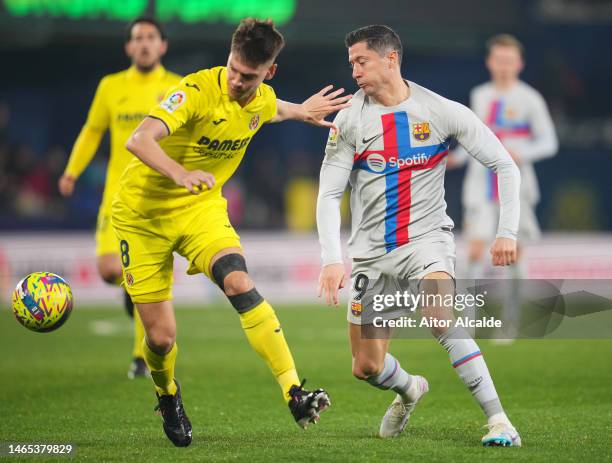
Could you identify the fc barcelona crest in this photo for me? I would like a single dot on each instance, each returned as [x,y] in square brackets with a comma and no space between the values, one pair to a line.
[420,131]
[356,308]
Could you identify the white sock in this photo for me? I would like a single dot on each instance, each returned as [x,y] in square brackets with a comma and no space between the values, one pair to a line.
[469,364]
[393,377]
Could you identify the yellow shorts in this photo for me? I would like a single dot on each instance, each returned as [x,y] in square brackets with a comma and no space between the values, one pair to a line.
[146,245]
[106,240]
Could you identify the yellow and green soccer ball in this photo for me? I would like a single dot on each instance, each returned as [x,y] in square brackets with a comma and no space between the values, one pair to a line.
[42,301]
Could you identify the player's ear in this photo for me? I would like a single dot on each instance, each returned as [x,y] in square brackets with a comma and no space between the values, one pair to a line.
[163,48]
[393,58]
[271,71]
[127,49]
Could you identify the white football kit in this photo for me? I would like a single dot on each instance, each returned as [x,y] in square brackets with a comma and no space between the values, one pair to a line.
[520,119]
[394,159]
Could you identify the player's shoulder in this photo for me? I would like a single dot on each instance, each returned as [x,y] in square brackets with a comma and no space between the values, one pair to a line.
[481,89]
[437,109]
[527,90]
[267,91]
[114,78]
[431,100]
[204,81]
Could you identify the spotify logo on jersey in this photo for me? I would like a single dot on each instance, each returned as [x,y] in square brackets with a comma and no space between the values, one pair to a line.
[376,162]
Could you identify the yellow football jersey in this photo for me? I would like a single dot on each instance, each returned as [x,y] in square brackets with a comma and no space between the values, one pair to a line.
[121,102]
[208,131]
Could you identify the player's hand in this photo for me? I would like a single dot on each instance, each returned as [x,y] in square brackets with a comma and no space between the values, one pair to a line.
[504,251]
[331,281]
[65,185]
[195,180]
[323,103]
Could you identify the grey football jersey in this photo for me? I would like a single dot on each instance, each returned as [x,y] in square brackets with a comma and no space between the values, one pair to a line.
[394,159]
[520,119]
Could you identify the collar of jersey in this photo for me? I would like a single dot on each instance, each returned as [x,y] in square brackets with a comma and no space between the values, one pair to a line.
[223,85]
[135,74]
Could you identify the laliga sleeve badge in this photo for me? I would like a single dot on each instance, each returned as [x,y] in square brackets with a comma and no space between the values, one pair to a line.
[174,101]
[332,139]
[254,122]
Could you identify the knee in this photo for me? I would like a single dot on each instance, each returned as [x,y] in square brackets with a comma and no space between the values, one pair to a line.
[366,368]
[161,340]
[237,283]
[109,272]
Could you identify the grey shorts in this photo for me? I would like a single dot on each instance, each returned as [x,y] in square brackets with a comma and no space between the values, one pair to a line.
[481,221]
[392,272]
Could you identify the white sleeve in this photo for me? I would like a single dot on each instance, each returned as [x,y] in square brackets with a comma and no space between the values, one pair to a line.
[334,177]
[484,146]
[332,183]
[459,154]
[544,143]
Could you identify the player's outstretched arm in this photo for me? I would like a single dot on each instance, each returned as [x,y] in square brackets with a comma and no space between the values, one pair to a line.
[315,109]
[483,145]
[143,143]
[82,153]
[88,140]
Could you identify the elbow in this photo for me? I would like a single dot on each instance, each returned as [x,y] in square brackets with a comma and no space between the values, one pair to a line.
[132,143]
[516,172]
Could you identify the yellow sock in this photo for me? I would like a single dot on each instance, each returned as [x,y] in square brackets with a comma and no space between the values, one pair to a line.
[262,329]
[139,335]
[161,368]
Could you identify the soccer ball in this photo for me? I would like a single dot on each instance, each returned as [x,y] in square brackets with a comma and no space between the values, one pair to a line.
[42,301]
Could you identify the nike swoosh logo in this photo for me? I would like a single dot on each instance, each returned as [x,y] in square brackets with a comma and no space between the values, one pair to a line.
[187,84]
[277,330]
[218,121]
[227,226]
[425,267]
[365,141]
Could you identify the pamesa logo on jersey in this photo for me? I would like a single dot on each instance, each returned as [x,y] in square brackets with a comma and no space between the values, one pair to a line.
[377,163]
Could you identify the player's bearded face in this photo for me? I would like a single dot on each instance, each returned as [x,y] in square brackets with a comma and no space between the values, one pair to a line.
[370,69]
[145,47]
[504,63]
[243,79]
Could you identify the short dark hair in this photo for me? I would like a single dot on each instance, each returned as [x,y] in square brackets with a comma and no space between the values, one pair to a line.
[147,20]
[378,37]
[504,40]
[257,41]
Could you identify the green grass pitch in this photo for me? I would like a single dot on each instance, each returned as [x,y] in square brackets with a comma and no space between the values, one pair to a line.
[70,386]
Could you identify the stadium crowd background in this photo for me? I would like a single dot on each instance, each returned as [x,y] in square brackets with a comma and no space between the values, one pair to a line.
[51,66]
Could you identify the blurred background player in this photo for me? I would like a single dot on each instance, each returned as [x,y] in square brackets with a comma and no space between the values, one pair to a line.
[170,200]
[518,116]
[121,102]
